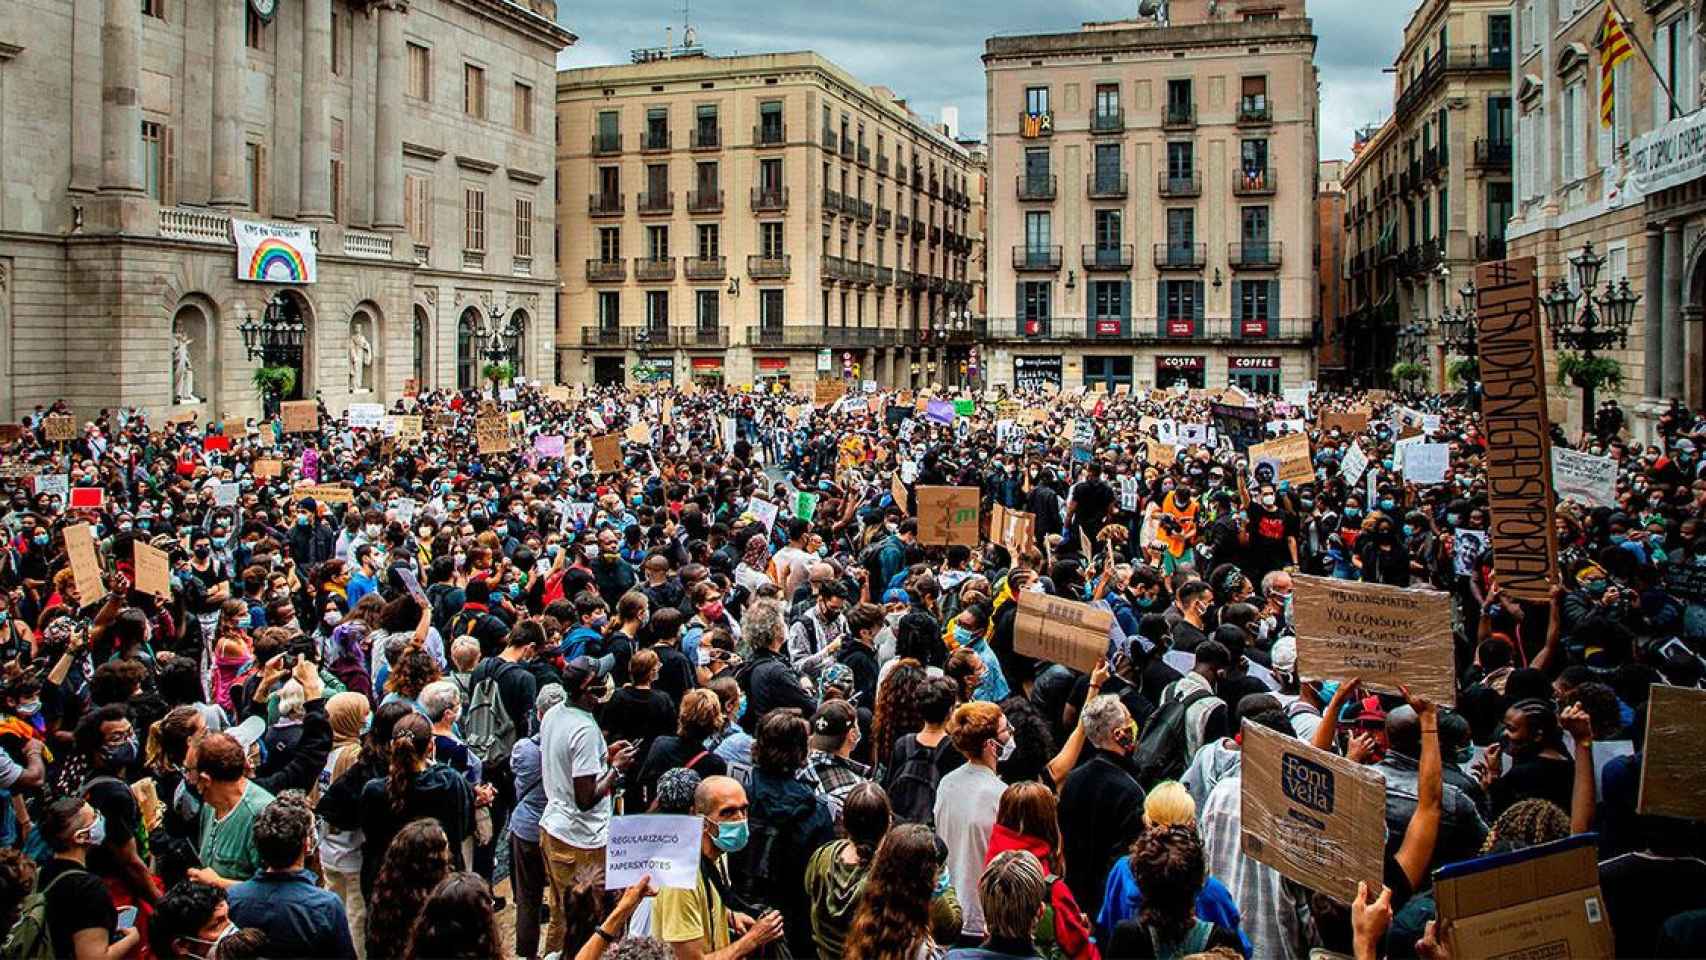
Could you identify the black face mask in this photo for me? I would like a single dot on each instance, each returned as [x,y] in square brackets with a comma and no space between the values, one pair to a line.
[202,552]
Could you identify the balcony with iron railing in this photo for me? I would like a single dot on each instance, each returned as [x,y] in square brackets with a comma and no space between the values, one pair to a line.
[1254,182]
[1492,154]
[882,165]
[655,141]
[1152,330]
[885,276]
[769,199]
[1116,256]
[1036,186]
[700,338]
[1107,120]
[1036,258]
[603,145]
[903,278]
[917,229]
[604,205]
[1181,256]
[864,157]
[884,218]
[1189,185]
[760,267]
[900,173]
[1489,248]
[654,269]
[770,134]
[704,201]
[1105,185]
[813,336]
[1472,58]
[1255,110]
[705,268]
[835,270]
[705,138]
[1254,255]
[935,235]
[604,336]
[828,140]
[902,224]
[831,202]
[1433,163]
[1178,116]
[917,179]
[606,271]
[654,203]
[846,147]
[863,211]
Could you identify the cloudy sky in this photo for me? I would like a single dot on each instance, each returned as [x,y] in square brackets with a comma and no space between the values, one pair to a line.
[929,52]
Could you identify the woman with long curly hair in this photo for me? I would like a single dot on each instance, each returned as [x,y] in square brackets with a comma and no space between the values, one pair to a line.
[414,864]
[1027,819]
[906,889]
[414,786]
[457,923]
[415,669]
[1171,871]
[896,713]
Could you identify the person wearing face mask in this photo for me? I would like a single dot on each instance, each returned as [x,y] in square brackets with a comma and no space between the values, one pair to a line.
[99,771]
[82,923]
[311,539]
[1541,767]
[1382,555]
[704,919]
[190,922]
[835,735]
[414,786]
[967,800]
[285,900]
[788,821]
[1101,802]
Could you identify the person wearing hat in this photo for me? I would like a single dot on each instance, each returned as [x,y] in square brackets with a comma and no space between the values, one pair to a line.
[580,773]
[312,540]
[834,737]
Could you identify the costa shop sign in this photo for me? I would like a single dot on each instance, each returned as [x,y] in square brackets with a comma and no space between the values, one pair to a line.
[1255,363]
[1179,363]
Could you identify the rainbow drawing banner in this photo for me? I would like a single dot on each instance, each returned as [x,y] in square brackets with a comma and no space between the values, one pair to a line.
[274,252]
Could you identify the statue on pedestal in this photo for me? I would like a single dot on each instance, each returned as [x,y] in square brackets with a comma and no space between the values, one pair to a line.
[183,370]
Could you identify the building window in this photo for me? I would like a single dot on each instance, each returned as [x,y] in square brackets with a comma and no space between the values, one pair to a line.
[1674,47]
[610,244]
[1108,298]
[609,131]
[657,242]
[705,130]
[1108,232]
[154,8]
[473,219]
[770,309]
[338,186]
[657,309]
[1036,101]
[523,107]
[710,241]
[770,177]
[158,161]
[253,27]
[255,166]
[337,44]
[1253,97]
[420,72]
[609,310]
[1253,301]
[770,122]
[706,304]
[524,226]
[417,208]
[770,240]
[1181,160]
[1570,131]
[1107,102]
[1034,302]
[474,91]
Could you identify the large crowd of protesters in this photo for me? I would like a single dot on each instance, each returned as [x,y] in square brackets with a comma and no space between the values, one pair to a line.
[396,689]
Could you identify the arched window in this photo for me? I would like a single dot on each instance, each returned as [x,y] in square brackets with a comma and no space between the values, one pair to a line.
[518,346]
[467,349]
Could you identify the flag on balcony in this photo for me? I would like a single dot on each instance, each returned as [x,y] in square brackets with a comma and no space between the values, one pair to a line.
[1036,124]
[1614,48]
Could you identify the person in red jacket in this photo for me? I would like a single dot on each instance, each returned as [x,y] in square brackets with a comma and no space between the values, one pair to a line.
[1026,820]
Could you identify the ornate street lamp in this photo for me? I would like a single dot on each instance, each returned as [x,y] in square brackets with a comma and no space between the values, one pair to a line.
[501,337]
[1590,330]
[274,339]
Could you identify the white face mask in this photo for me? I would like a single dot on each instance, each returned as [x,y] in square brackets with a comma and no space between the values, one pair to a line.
[1006,749]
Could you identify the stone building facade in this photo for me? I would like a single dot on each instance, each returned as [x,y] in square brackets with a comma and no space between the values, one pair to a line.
[413,137]
[1152,200]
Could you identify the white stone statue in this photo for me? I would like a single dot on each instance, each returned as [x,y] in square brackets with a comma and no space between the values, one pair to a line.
[360,360]
[183,370]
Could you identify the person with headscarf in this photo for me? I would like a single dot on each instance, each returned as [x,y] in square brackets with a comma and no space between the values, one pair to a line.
[749,573]
[346,659]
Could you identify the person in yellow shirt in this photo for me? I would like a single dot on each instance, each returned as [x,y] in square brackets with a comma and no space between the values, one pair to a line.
[697,922]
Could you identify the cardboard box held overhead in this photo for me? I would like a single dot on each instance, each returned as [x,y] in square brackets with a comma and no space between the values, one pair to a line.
[1540,902]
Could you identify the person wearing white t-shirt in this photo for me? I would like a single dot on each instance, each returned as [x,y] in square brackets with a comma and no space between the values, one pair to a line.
[794,562]
[966,802]
[580,773]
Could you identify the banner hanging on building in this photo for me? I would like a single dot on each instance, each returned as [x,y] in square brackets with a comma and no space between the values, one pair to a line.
[1667,157]
[274,252]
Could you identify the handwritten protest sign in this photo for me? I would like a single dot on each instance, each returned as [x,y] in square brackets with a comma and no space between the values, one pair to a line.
[639,433]
[325,493]
[1385,635]
[1519,443]
[1061,631]
[491,432]
[300,416]
[828,390]
[1584,478]
[226,494]
[268,468]
[663,846]
[366,416]
[1316,817]
[1013,529]
[153,571]
[1672,765]
[548,445]
[805,504]
[85,563]
[948,515]
[764,512]
[56,486]
[607,452]
[1282,460]
[409,427]
[59,427]
[940,411]
[1426,463]
[1345,421]
[1353,464]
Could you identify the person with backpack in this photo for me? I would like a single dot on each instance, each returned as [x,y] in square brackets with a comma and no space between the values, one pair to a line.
[1027,819]
[71,915]
[477,620]
[1189,715]
[920,760]
[787,822]
[1101,802]
[1014,887]
[1170,867]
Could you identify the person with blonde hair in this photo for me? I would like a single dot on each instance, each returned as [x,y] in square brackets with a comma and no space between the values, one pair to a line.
[700,718]
[1167,807]
[967,800]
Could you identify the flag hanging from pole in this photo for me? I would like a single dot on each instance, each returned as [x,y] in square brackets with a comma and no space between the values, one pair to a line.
[1614,48]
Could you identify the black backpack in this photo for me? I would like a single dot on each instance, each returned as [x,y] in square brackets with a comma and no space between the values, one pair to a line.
[1160,753]
[912,788]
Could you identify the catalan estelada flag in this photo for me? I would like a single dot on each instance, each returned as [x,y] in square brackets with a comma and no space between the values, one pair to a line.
[1614,48]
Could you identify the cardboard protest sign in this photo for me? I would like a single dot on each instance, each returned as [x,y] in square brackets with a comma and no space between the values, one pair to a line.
[607,452]
[1673,766]
[1013,529]
[639,433]
[1316,817]
[1426,463]
[325,493]
[948,515]
[59,427]
[1282,460]
[153,570]
[300,416]
[268,468]
[1162,454]
[1584,478]
[828,390]
[410,427]
[1519,441]
[1061,631]
[1543,901]
[1345,421]
[10,432]
[491,433]
[85,563]
[663,846]
[1385,635]
[548,445]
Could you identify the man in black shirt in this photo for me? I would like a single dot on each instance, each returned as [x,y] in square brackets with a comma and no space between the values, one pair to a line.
[1087,509]
[81,921]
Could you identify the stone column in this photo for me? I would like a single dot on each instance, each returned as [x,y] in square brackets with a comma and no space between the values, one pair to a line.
[1673,330]
[1652,317]
[121,98]
[388,129]
[229,187]
[316,164]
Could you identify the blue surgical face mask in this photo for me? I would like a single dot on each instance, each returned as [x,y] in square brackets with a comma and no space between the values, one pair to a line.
[1352,513]
[1409,531]
[964,637]
[944,880]
[98,830]
[1388,505]
[731,836]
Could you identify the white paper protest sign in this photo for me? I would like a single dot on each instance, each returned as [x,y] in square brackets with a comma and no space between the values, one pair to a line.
[225,494]
[1470,544]
[664,846]
[1353,464]
[1583,477]
[1426,463]
[764,512]
[1128,493]
[366,416]
[579,513]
